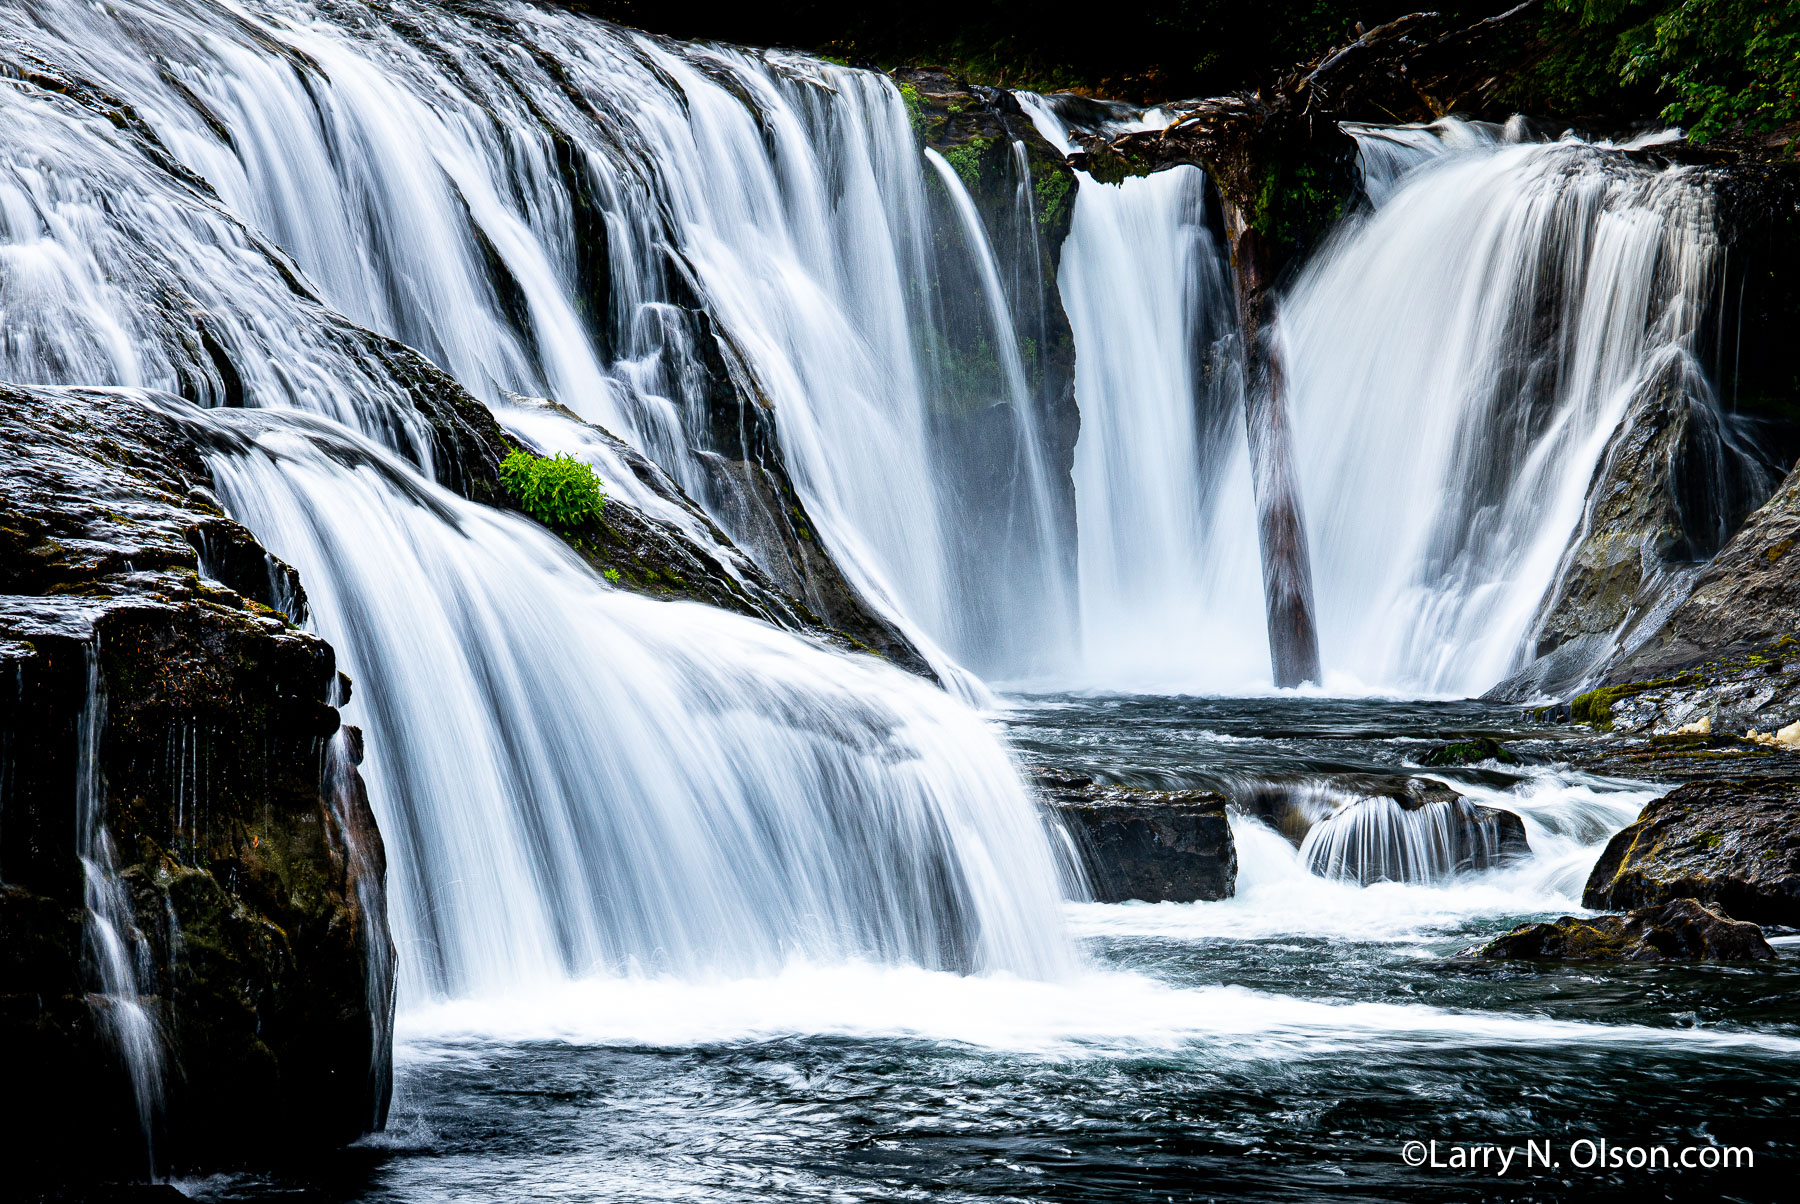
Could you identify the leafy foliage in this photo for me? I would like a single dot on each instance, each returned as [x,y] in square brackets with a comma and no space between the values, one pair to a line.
[967,159]
[559,492]
[1724,62]
[1706,65]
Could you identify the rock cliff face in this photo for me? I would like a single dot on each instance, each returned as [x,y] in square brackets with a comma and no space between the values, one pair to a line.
[1674,480]
[1732,845]
[193,942]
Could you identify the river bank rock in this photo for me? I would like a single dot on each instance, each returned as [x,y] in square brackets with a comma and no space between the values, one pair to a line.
[1158,846]
[1730,844]
[1681,930]
[152,679]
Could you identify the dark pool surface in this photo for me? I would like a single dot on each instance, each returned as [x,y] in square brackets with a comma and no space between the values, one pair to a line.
[1319,1045]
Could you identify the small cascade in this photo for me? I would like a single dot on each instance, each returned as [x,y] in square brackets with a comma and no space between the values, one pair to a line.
[1381,840]
[116,955]
[573,781]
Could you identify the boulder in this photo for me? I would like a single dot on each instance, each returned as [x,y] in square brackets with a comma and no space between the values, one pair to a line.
[1730,844]
[176,785]
[1468,752]
[1682,930]
[1160,846]
[1372,827]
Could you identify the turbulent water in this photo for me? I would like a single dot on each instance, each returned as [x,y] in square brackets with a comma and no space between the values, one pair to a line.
[1279,1045]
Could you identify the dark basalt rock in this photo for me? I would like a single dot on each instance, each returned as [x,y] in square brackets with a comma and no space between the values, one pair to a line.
[1682,930]
[1730,844]
[1675,480]
[1159,846]
[246,858]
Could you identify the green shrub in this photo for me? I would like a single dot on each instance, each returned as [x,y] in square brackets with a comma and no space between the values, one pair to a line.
[559,492]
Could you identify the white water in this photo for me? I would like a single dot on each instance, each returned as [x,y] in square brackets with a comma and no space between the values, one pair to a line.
[573,781]
[634,820]
[114,954]
[1458,361]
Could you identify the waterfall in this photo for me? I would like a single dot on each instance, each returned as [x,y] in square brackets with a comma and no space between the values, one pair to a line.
[575,781]
[1380,840]
[669,240]
[1460,359]
[1169,573]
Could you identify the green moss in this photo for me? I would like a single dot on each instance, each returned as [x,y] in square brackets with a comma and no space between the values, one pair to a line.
[1595,707]
[915,109]
[1467,752]
[1052,198]
[559,492]
[968,159]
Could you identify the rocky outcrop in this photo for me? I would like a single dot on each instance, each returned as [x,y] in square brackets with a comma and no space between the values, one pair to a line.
[1682,930]
[1158,846]
[1734,845]
[172,772]
[637,551]
[1678,482]
[1673,482]
[1747,597]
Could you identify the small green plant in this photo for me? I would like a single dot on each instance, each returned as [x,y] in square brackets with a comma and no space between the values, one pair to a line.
[611,575]
[559,492]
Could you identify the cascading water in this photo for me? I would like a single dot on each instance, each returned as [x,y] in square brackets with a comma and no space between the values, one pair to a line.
[115,956]
[1168,569]
[573,781]
[1460,359]
[550,206]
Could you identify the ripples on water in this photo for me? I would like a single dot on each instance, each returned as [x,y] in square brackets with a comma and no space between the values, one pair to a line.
[1279,1045]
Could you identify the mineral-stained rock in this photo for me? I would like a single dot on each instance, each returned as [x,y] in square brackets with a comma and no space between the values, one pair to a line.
[1682,930]
[151,678]
[1730,844]
[1160,846]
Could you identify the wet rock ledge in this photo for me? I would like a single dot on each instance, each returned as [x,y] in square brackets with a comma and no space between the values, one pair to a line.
[1682,930]
[1158,846]
[1734,845]
[153,684]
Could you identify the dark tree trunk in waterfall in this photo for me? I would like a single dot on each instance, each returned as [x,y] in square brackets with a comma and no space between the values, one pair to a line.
[1280,527]
[1284,171]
